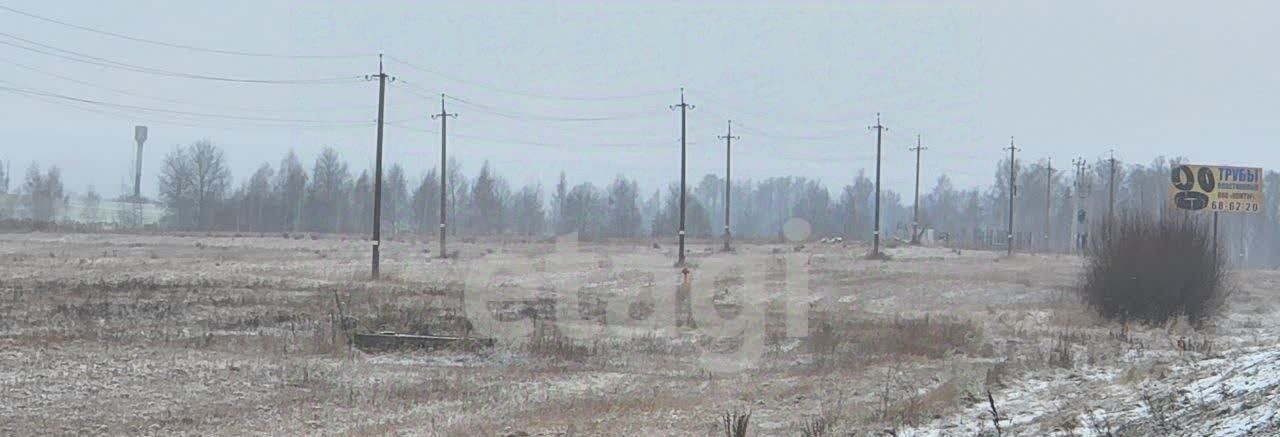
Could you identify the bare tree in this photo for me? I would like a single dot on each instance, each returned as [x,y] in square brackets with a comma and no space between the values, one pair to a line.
[91,206]
[395,199]
[193,183]
[362,202]
[459,189]
[177,188]
[257,199]
[558,220]
[624,208]
[211,179]
[426,203]
[290,190]
[44,193]
[484,198]
[326,196]
[527,215]
[584,210]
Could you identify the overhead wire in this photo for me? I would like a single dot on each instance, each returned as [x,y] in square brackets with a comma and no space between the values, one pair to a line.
[70,55]
[518,115]
[737,109]
[178,101]
[402,125]
[175,45]
[641,94]
[176,120]
[413,89]
[31,91]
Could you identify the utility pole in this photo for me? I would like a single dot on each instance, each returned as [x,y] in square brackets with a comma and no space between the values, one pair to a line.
[1111,202]
[875,236]
[377,172]
[684,108]
[1048,200]
[1079,222]
[444,172]
[915,213]
[728,182]
[1013,187]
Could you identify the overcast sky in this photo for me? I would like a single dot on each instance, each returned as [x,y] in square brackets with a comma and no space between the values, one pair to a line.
[585,87]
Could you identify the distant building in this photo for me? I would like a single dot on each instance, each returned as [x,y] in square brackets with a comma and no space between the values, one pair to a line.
[78,210]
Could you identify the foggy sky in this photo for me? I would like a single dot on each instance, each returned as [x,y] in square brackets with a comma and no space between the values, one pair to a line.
[803,80]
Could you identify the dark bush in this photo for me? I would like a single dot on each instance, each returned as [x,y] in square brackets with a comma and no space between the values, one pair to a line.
[1150,270]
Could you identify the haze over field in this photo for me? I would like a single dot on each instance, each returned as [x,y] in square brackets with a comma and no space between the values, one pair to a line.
[803,79]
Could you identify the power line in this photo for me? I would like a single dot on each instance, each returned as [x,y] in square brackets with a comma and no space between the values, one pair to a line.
[179,46]
[762,133]
[762,115]
[178,101]
[515,115]
[641,94]
[560,145]
[184,122]
[169,111]
[536,117]
[49,50]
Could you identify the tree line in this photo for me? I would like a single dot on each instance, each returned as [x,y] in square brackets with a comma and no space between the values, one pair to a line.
[197,191]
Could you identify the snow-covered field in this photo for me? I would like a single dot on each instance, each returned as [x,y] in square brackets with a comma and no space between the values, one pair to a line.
[233,335]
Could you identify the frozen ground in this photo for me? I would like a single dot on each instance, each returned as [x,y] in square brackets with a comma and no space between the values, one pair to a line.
[226,335]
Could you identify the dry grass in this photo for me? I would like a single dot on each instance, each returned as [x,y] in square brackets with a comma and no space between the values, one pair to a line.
[142,334]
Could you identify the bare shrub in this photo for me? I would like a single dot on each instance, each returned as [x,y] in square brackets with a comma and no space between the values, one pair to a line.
[735,423]
[1152,270]
[546,340]
[817,426]
[1061,355]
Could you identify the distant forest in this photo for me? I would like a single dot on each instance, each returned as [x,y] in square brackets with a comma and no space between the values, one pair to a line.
[198,192]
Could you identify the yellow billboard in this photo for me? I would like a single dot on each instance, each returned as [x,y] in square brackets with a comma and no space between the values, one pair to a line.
[1217,188]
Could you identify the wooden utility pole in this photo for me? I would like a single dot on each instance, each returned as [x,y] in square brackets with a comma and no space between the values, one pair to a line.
[444,171]
[875,236]
[1048,200]
[377,171]
[684,108]
[1013,187]
[1111,201]
[915,209]
[728,182]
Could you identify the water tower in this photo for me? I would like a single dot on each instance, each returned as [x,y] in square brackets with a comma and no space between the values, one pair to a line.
[139,135]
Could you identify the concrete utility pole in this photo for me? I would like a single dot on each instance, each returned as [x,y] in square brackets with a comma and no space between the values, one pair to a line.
[915,213]
[684,108]
[875,236]
[444,173]
[1078,223]
[377,172]
[1013,187]
[728,182]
